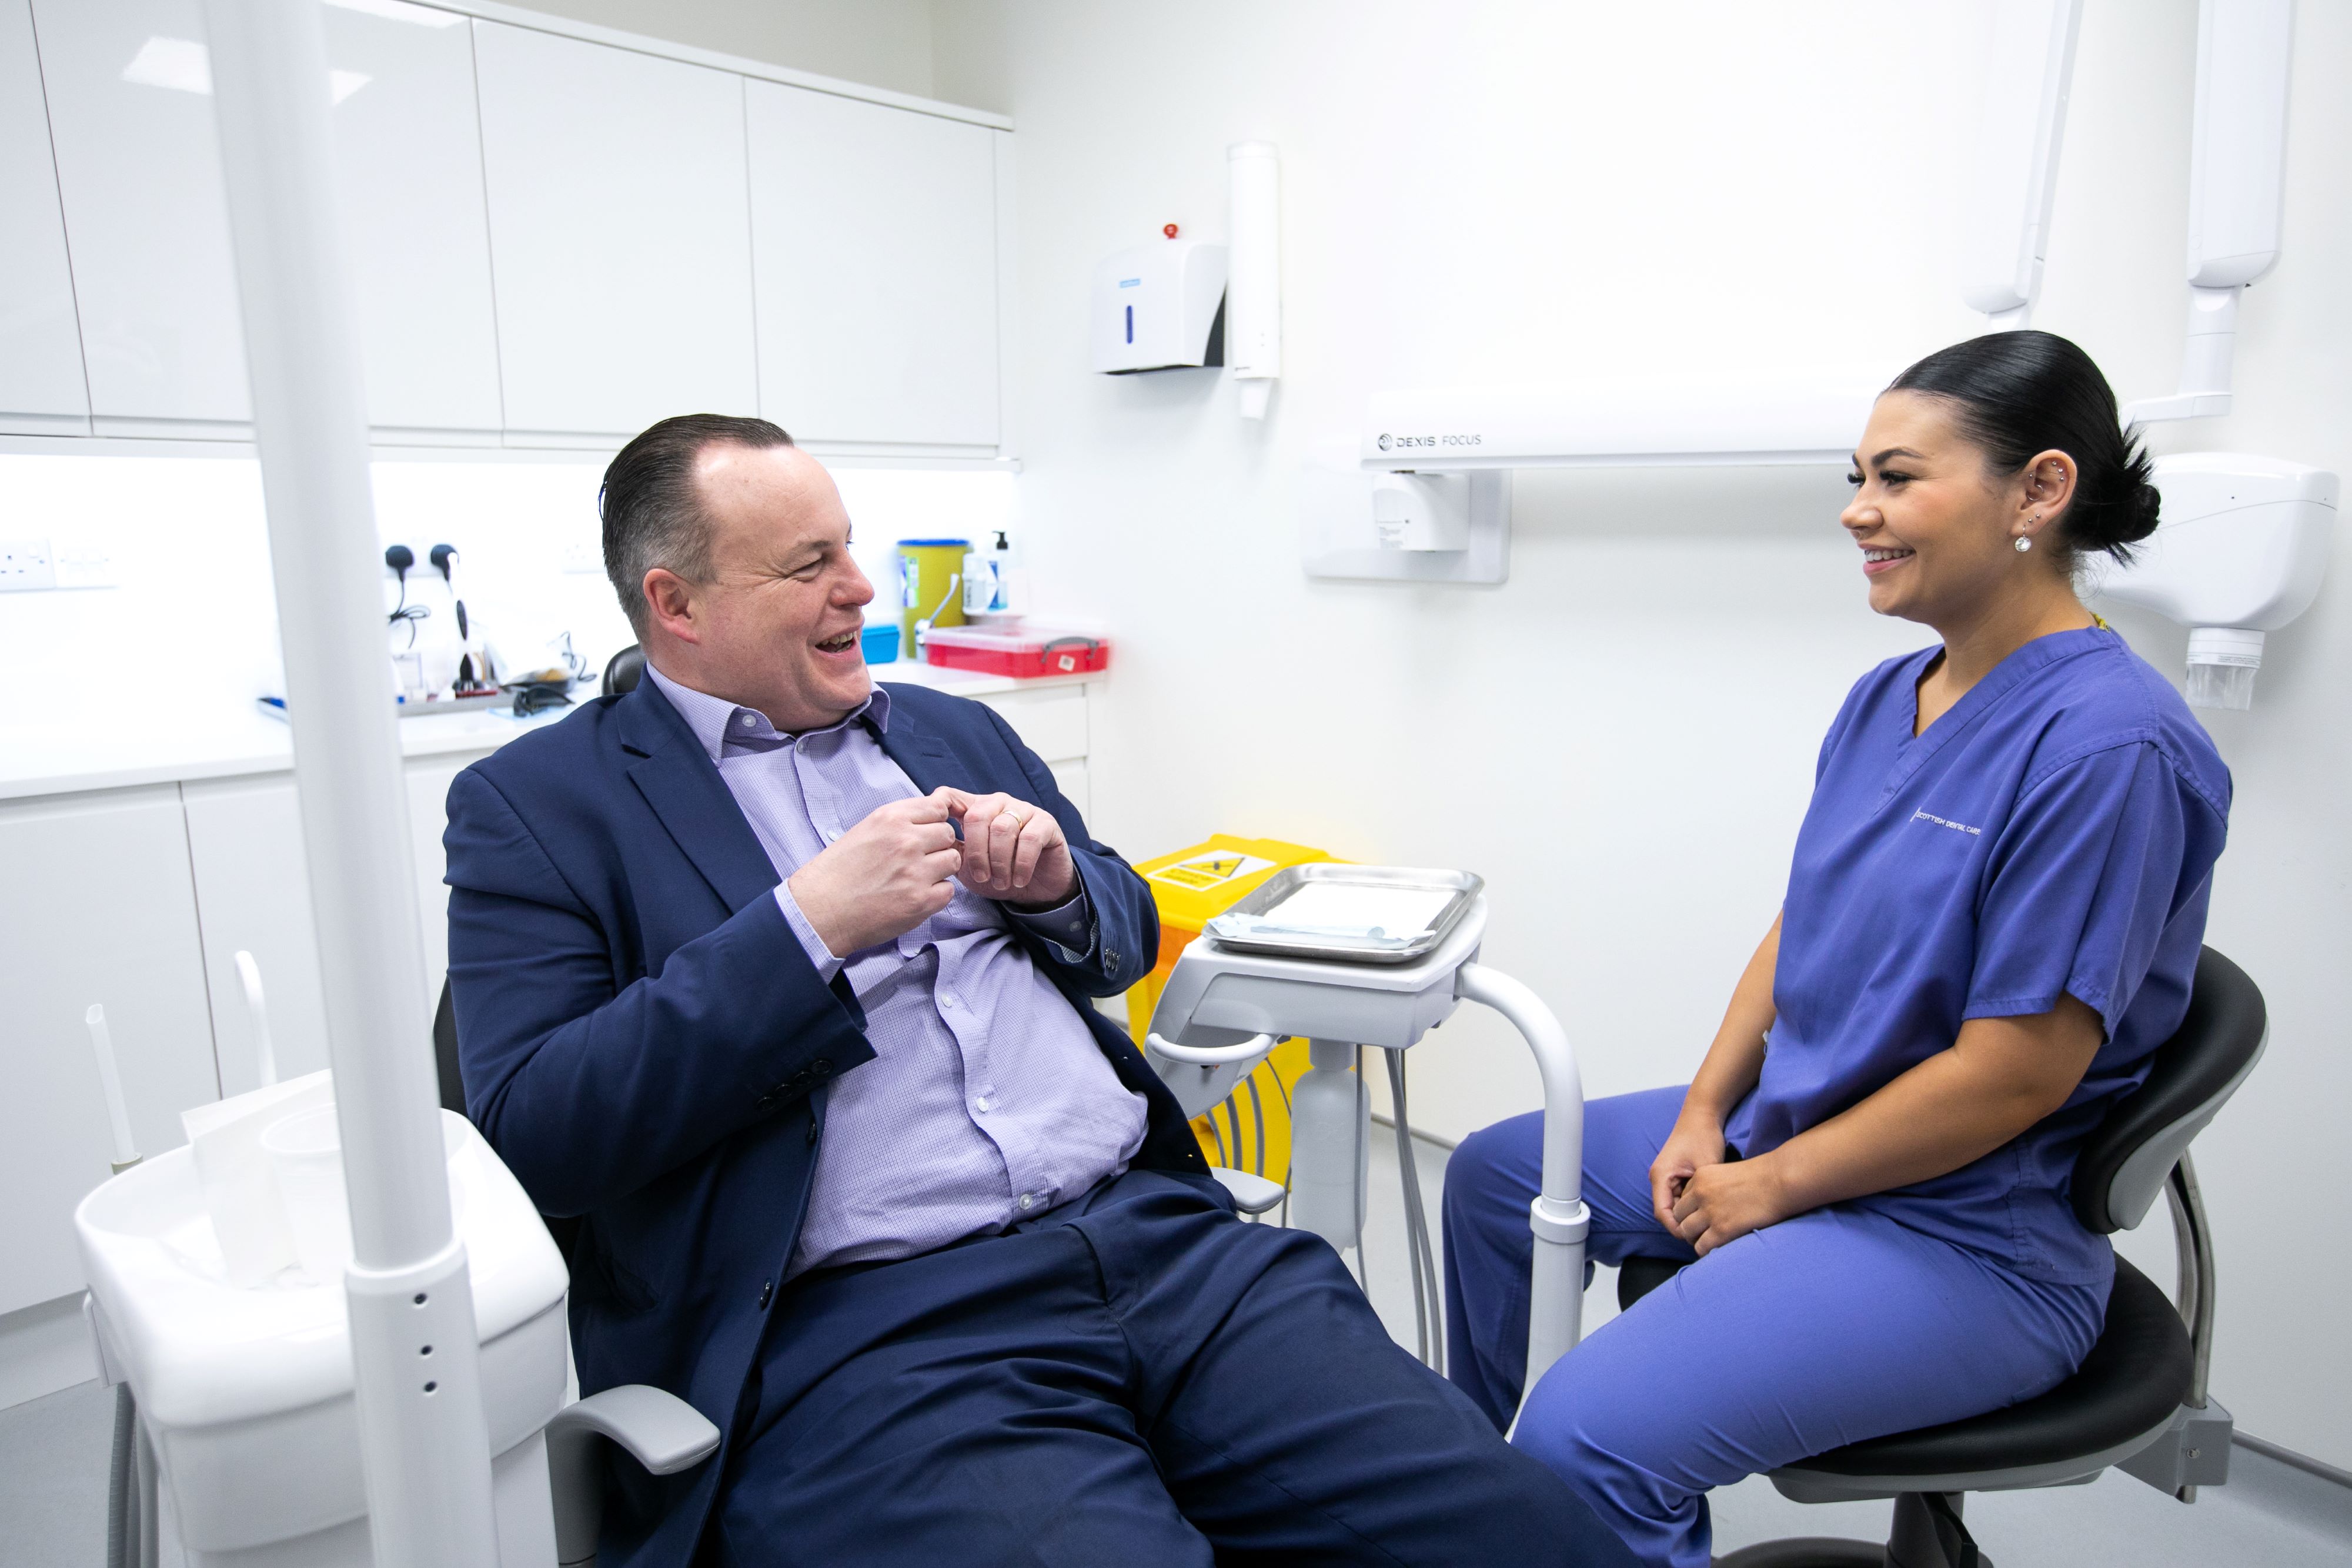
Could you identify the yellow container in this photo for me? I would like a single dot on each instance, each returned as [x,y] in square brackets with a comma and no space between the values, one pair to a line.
[1250,1129]
[930,587]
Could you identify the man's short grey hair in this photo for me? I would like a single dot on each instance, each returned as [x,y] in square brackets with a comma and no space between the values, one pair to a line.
[654,515]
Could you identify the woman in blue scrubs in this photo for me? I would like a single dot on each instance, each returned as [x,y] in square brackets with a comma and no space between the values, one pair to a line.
[1991,922]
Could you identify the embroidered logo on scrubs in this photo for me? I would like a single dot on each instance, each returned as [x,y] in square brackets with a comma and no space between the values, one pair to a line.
[1955,827]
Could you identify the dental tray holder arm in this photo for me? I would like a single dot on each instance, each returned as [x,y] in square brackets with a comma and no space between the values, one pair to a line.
[1558,1216]
[1223,1009]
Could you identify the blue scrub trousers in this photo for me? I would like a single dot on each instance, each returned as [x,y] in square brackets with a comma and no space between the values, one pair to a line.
[1824,1329]
[1136,1378]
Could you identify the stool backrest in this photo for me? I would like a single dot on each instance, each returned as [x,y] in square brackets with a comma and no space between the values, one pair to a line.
[624,669]
[2124,1166]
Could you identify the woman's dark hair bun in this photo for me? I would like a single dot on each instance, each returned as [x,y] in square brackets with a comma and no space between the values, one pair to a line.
[2016,394]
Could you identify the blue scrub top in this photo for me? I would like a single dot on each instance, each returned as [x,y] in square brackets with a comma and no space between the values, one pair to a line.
[2054,832]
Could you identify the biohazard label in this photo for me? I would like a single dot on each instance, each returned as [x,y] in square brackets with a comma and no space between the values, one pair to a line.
[1200,873]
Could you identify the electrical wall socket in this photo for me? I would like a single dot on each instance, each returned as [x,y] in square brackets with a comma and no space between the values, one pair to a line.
[27,565]
[83,566]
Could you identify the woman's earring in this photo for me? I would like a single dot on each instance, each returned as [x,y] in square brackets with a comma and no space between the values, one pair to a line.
[2024,543]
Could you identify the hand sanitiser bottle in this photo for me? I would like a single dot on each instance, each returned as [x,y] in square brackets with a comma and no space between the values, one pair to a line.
[988,579]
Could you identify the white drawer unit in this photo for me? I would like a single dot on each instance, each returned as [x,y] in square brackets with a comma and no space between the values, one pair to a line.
[99,907]
[244,843]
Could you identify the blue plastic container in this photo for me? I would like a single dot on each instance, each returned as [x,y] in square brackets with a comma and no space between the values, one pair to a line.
[880,643]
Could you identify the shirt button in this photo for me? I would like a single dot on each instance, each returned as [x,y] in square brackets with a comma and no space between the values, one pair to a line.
[947,1001]
[1028,1200]
[749,721]
[983,1103]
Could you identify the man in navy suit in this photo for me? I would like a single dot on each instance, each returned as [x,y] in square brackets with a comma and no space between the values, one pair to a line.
[778,981]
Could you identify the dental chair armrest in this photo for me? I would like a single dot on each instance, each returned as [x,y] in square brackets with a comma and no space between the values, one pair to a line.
[653,1426]
[656,1427]
[1251,1194]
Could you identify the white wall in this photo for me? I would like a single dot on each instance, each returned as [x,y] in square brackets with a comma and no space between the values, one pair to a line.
[1621,738]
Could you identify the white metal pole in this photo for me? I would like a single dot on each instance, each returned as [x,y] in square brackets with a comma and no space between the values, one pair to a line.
[1558,1216]
[424,1440]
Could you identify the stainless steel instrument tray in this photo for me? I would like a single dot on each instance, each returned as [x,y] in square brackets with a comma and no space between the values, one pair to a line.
[1463,886]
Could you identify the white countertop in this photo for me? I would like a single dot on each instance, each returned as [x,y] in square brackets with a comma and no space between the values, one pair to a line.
[152,748]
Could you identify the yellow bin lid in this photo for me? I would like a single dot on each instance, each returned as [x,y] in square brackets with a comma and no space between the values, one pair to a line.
[1194,884]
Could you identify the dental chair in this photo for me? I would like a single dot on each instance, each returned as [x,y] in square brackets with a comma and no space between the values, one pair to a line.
[653,1426]
[2137,1402]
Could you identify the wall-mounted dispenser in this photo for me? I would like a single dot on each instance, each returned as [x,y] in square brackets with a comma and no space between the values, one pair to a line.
[1159,307]
[1254,336]
[2240,552]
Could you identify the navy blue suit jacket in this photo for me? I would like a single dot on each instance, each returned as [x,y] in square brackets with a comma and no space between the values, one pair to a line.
[646,1045]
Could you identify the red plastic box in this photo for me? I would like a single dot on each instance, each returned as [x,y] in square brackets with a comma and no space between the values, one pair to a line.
[1020,648]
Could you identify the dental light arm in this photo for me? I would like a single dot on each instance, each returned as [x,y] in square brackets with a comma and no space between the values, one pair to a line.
[2005,230]
[2236,184]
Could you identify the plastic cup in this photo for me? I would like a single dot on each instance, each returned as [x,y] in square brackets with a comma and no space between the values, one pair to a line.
[306,1155]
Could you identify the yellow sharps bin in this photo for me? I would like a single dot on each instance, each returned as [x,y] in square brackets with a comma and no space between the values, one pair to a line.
[1250,1129]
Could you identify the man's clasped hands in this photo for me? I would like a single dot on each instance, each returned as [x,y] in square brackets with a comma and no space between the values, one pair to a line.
[896,869]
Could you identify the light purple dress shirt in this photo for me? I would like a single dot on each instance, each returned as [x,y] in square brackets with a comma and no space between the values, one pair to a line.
[987,1100]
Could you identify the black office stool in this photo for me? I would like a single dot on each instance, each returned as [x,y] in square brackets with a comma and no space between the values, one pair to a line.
[2137,1401]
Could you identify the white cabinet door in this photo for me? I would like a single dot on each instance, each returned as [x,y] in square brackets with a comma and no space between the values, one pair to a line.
[253,894]
[1051,722]
[96,906]
[874,232]
[41,385]
[409,149]
[620,234]
[130,94]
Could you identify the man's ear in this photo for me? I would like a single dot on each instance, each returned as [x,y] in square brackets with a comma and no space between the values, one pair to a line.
[669,599]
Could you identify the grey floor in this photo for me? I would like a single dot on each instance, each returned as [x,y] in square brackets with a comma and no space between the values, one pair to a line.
[53,1470]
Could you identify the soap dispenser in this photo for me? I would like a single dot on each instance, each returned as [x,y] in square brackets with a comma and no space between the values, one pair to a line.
[989,579]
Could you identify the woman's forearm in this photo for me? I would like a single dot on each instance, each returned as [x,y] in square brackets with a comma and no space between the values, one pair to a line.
[1736,1059]
[1999,1076]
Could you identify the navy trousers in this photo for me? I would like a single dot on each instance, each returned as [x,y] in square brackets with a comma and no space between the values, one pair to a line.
[1136,1378]
[1820,1330]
